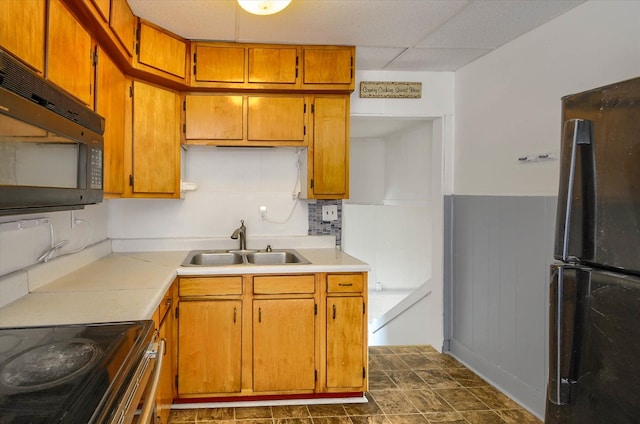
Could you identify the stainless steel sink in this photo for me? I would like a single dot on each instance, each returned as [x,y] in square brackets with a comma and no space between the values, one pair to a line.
[246,257]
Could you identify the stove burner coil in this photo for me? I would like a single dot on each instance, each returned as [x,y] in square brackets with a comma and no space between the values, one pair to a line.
[49,365]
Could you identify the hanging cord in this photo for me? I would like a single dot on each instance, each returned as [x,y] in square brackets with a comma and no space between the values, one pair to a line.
[295,194]
[56,248]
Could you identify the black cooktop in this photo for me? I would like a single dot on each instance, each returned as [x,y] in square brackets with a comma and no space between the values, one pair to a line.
[68,374]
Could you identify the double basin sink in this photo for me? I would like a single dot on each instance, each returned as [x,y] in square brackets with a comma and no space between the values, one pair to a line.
[245,257]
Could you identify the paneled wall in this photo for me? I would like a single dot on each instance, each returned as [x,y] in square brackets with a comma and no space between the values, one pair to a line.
[501,248]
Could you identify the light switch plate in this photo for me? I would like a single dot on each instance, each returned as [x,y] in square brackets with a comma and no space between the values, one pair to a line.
[329,213]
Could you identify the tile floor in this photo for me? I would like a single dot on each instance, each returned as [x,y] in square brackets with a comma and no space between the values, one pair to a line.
[407,385]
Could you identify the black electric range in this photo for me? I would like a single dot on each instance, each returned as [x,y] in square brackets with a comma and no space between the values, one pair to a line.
[72,374]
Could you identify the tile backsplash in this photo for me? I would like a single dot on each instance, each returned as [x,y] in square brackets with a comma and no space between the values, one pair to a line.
[318,227]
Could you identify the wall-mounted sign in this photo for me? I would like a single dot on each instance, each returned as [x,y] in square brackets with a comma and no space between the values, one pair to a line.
[390,90]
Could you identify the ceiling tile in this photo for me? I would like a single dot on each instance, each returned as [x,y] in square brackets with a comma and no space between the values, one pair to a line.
[491,23]
[434,59]
[375,58]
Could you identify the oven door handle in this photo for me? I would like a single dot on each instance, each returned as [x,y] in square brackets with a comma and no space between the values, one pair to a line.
[147,408]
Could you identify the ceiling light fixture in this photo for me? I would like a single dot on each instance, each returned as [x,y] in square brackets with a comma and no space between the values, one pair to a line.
[263,7]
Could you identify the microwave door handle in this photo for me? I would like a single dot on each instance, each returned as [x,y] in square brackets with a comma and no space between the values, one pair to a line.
[147,407]
[581,136]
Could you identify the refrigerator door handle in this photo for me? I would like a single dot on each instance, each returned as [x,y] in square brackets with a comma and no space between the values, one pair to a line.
[580,132]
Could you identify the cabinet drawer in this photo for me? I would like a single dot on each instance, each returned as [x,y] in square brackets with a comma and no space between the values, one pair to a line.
[345,283]
[283,284]
[211,286]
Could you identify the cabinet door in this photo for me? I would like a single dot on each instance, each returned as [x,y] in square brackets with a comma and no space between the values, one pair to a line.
[283,347]
[156,141]
[22,30]
[69,57]
[164,397]
[103,6]
[274,118]
[111,97]
[209,346]
[330,153]
[161,51]
[218,64]
[214,117]
[123,24]
[328,66]
[273,65]
[345,342]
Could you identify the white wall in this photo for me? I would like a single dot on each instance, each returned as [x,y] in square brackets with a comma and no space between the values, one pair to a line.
[507,103]
[232,184]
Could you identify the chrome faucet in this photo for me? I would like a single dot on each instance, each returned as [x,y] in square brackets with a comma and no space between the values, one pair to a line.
[242,234]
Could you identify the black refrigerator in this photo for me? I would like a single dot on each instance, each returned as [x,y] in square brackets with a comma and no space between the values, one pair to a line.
[594,313]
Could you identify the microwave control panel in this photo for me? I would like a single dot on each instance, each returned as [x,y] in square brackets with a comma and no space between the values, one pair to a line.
[95,170]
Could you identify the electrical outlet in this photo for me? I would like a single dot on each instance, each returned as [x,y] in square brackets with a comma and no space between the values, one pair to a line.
[329,213]
[263,212]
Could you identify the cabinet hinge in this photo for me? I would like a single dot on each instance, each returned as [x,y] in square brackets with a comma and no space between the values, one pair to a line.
[131,91]
[363,307]
[364,373]
[315,309]
[313,108]
[131,180]
[94,57]
[177,313]
[296,73]
[304,130]
[184,128]
[138,48]
[315,375]
[184,105]
[311,183]
[195,60]
[304,109]
[176,381]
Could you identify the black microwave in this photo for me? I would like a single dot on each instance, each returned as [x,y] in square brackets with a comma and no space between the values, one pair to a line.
[51,145]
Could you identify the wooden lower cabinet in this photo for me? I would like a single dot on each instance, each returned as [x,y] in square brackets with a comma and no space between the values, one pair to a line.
[283,344]
[270,335]
[346,357]
[165,323]
[209,347]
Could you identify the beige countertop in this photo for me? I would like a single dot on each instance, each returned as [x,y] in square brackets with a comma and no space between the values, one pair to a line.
[129,286]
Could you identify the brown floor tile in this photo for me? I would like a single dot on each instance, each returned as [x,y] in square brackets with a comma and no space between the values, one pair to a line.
[293,421]
[408,419]
[418,361]
[380,350]
[389,362]
[369,408]
[255,421]
[179,416]
[379,380]
[332,420]
[370,419]
[214,414]
[466,377]
[453,417]
[518,416]
[461,399]
[438,379]
[290,411]
[393,402]
[483,417]
[407,380]
[405,349]
[493,398]
[253,413]
[427,401]
[444,360]
[331,410]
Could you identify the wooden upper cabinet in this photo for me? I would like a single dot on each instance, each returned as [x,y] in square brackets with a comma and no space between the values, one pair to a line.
[275,65]
[22,30]
[214,117]
[328,67]
[111,98]
[70,55]
[123,23]
[218,64]
[329,152]
[162,52]
[103,7]
[276,118]
[156,142]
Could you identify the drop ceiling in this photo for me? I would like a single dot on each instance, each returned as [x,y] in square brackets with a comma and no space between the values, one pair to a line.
[398,35]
